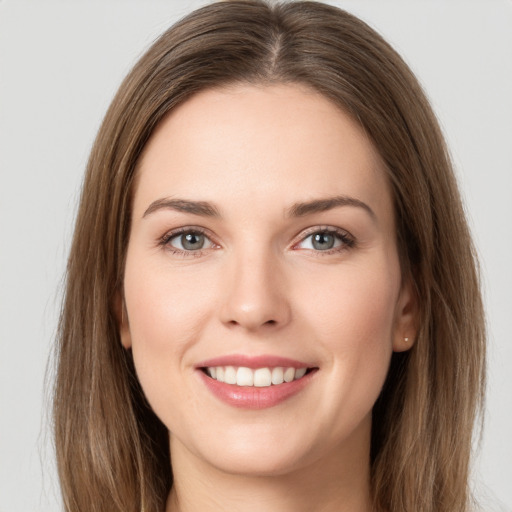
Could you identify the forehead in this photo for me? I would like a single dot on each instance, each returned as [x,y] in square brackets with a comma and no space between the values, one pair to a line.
[249,143]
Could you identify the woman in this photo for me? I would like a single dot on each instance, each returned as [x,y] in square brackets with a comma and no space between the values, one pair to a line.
[271,280]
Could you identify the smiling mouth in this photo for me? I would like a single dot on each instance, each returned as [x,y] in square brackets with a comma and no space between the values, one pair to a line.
[255,377]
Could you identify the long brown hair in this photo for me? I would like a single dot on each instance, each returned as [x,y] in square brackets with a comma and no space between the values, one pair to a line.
[112,450]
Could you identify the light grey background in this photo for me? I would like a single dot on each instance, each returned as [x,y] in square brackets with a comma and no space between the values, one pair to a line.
[60,64]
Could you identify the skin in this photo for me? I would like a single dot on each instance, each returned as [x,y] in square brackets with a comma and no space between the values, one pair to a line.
[259,286]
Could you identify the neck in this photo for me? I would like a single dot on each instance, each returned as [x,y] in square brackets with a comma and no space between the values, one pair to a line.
[338,482]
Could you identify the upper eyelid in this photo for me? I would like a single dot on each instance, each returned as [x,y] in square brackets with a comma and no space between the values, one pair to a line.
[321,229]
[187,229]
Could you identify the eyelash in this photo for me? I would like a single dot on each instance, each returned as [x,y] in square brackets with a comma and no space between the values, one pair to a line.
[347,241]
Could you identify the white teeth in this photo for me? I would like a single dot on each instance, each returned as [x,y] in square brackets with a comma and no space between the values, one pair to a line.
[230,375]
[289,374]
[244,377]
[260,377]
[277,376]
[300,372]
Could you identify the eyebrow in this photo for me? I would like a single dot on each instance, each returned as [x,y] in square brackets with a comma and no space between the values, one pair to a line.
[322,205]
[202,208]
[301,209]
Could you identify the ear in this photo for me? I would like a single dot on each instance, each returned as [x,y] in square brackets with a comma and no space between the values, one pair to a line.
[406,318]
[122,320]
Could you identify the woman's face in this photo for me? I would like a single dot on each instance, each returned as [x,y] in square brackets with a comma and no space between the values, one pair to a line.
[262,286]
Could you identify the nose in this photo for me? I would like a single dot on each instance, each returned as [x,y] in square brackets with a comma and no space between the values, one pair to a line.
[256,296]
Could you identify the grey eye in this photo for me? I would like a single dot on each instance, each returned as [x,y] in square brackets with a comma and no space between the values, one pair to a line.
[323,241]
[190,241]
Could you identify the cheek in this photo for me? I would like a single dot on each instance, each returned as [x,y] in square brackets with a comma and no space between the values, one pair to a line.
[352,320]
[166,313]
[166,307]
[354,307]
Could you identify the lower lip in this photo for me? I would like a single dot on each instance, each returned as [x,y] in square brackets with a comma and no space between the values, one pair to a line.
[251,397]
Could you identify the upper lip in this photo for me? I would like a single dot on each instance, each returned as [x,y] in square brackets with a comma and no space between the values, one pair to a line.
[262,361]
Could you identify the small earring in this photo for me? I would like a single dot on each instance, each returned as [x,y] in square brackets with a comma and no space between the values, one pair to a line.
[406,340]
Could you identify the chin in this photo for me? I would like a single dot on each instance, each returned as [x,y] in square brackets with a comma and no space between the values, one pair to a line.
[264,464]
[250,451]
